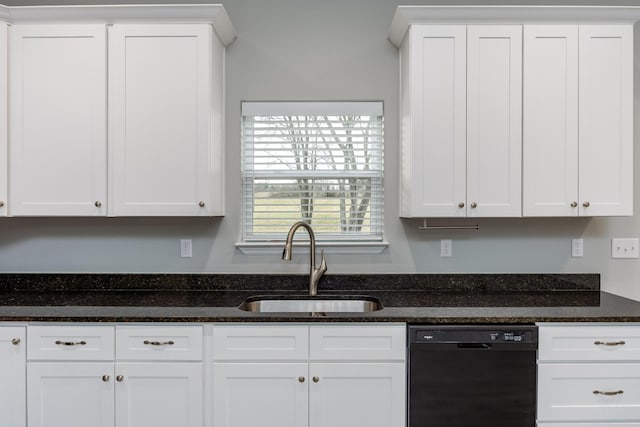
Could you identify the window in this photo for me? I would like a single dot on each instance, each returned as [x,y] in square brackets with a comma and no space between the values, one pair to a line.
[321,162]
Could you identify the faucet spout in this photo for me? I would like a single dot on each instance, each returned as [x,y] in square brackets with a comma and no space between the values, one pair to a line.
[315,274]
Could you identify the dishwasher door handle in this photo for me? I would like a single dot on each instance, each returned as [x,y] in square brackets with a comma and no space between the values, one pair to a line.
[474,346]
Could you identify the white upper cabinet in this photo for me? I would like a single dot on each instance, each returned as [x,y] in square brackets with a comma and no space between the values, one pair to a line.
[57,92]
[494,120]
[113,110]
[606,120]
[543,123]
[160,94]
[433,89]
[4,116]
[4,125]
[550,127]
[461,121]
[578,120]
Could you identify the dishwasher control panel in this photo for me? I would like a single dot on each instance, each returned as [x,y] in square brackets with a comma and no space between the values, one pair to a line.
[474,334]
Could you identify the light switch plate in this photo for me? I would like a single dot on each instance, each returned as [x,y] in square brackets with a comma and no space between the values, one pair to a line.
[625,248]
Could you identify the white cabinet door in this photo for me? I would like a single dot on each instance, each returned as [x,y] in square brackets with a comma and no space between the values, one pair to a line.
[550,120]
[434,121]
[606,120]
[4,116]
[160,120]
[159,395]
[357,394]
[57,132]
[73,394]
[494,120]
[261,394]
[13,376]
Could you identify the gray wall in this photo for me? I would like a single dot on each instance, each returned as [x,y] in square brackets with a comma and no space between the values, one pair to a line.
[317,50]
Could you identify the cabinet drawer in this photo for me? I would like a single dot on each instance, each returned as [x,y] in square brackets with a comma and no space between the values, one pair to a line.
[577,392]
[268,342]
[159,343]
[340,342]
[589,343]
[70,342]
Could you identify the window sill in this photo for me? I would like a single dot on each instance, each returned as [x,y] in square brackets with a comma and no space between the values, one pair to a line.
[270,248]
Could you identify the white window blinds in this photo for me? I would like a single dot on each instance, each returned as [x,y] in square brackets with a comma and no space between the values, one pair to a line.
[321,162]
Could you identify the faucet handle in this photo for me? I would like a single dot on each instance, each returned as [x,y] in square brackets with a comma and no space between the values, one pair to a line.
[323,262]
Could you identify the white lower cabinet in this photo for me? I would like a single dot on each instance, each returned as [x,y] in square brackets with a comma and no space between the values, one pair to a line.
[248,394]
[589,375]
[12,376]
[304,375]
[70,394]
[80,380]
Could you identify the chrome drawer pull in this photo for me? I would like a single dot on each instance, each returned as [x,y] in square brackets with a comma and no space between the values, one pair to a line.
[147,342]
[608,393]
[610,343]
[71,342]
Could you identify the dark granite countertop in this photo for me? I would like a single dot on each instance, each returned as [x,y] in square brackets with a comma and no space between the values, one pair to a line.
[413,298]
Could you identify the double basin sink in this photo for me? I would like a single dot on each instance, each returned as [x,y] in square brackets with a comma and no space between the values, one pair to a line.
[309,304]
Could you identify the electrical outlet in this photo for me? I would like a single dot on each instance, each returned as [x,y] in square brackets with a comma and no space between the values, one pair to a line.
[185,248]
[625,248]
[577,248]
[446,248]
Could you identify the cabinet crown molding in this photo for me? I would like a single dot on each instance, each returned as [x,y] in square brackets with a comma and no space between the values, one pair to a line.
[213,14]
[406,16]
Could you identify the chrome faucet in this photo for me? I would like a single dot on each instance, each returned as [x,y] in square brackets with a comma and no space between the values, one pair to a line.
[314,273]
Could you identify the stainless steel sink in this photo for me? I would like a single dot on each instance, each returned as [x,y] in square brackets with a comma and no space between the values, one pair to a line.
[319,304]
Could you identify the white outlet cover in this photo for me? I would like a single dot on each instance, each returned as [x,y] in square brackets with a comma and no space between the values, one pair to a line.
[625,248]
[577,248]
[446,248]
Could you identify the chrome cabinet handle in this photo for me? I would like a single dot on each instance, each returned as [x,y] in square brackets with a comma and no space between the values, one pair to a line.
[586,204]
[119,378]
[301,379]
[71,342]
[474,205]
[105,378]
[609,343]
[98,203]
[316,379]
[608,393]
[574,204]
[201,204]
[461,205]
[15,341]
[147,342]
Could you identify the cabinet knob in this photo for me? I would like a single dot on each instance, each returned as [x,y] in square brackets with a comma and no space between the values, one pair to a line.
[105,378]
[120,378]
[98,203]
[1,204]
[15,341]
[316,379]
[201,204]
[474,205]
[586,204]
[574,204]
[461,205]
[301,379]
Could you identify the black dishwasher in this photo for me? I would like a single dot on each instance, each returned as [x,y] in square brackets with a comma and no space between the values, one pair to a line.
[472,376]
